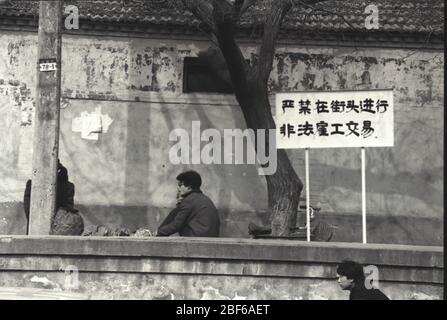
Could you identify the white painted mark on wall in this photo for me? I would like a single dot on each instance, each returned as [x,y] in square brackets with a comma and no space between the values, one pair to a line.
[90,125]
[27,113]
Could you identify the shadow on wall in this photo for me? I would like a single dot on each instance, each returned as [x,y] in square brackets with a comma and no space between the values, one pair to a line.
[89,159]
[12,218]
[386,229]
[136,185]
[136,176]
[416,185]
[241,182]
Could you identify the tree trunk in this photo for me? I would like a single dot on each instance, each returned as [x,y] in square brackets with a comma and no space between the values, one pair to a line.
[250,85]
[284,186]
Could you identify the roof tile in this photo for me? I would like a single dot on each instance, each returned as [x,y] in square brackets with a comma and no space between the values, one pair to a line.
[334,15]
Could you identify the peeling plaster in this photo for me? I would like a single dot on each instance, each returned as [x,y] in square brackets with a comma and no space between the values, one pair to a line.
[19,96]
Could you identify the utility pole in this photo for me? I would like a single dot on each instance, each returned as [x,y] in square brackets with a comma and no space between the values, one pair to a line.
[46,120]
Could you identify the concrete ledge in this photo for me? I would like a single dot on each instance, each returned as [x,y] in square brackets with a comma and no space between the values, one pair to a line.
[213,268]
[223,248]
[218,256]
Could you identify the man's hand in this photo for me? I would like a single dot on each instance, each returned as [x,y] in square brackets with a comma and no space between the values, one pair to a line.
[179,197]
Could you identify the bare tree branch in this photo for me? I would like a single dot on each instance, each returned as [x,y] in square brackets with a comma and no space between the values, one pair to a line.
[271,29]
[247,5]
[237,9]
[203,11]
[306,4]
[240,6]
[236,64]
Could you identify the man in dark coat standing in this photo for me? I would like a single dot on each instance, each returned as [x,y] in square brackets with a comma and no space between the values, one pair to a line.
[352,277]
[195,214]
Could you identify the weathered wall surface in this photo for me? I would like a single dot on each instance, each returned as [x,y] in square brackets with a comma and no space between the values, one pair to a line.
[125,178]
[193,268]
[147,286]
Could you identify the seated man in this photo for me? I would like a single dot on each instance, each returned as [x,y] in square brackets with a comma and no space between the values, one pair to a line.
[195,214]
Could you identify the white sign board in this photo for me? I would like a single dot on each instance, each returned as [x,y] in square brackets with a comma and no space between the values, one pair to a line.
[335,119]
[47,65]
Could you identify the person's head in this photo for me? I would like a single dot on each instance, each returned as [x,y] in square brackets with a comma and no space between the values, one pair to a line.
[349,274]
[188,181]
[312,213]
[314,210]
[62,173]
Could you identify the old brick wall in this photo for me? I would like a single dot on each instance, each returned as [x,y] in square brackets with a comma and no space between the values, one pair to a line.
[125,178]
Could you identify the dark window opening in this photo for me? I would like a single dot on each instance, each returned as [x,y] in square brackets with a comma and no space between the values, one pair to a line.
[198,76]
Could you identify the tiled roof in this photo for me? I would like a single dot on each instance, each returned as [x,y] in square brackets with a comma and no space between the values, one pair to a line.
[408,16]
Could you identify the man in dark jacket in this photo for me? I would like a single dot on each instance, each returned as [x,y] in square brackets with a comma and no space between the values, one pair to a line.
[352,277]
[195,214]
[65,192]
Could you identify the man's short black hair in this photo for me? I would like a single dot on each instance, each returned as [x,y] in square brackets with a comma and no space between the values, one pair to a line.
[190,179]
[351,270]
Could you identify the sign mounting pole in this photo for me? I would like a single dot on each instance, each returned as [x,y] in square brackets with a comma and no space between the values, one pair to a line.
[307,194]
[363,197]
